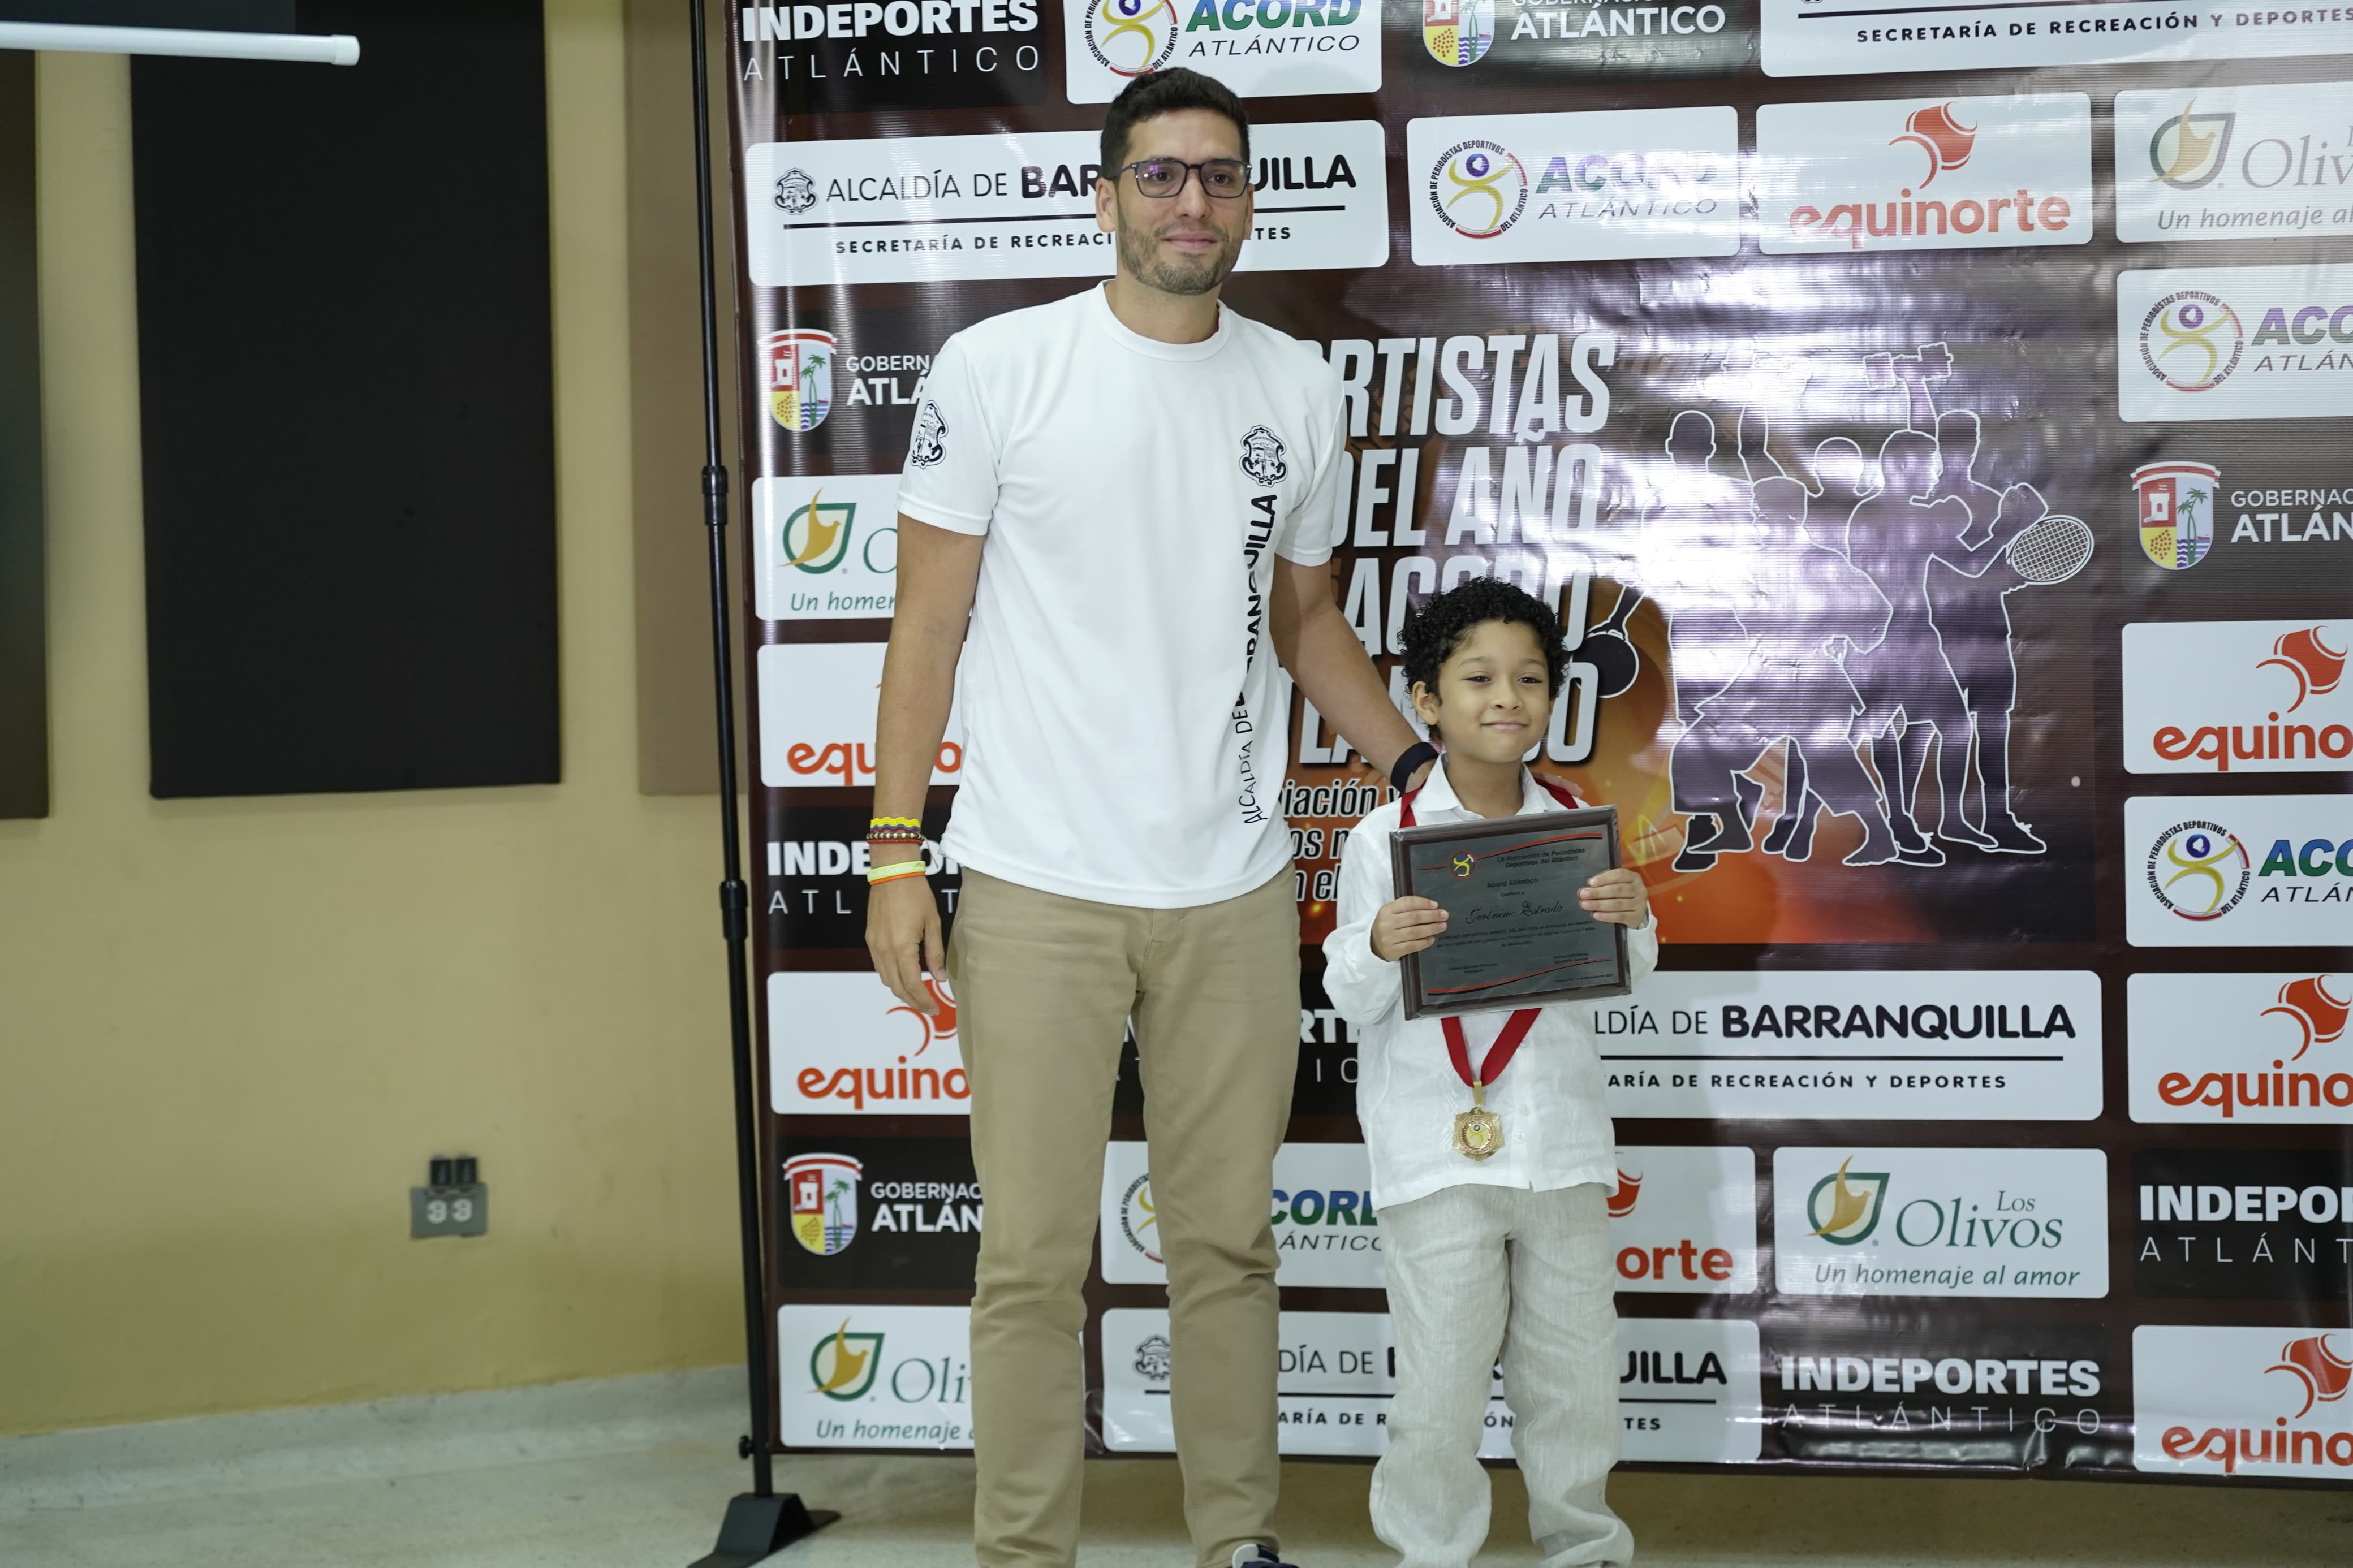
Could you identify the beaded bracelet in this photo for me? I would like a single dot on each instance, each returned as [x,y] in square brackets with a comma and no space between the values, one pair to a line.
[894,872]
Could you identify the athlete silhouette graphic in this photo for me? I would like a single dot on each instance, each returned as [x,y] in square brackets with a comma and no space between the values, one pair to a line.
[1972,618]
[1804,606]
[1904,682]
[1697,524]
[1892,630]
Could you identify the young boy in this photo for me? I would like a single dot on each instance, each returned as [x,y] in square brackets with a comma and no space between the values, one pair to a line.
[1508,1253]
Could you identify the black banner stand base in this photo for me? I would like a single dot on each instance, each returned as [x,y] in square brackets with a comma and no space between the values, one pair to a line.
[758,1527]
[759,1522]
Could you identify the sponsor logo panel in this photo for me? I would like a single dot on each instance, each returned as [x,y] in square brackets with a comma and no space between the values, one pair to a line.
[2235,343]
[852,393]
[1280,48]
[1916,1046]
[1925,174]
[1684,1220]
[1687,1389]
[824,548]
[1521,42]
[796,376]
[2241,1048]
[839,1044]
[1022,205]
[816,716]
[879,1212]
[815,893]
[874,1377]
[2237,696]
[2012,1394]
[2253,870]
[2267,1224]
[1839,38]
[1611,184]
[2174,503]
[902,54]
[2188,509]
[1940,1222]
[1325,1229]
[2235,163]
[2257,1402]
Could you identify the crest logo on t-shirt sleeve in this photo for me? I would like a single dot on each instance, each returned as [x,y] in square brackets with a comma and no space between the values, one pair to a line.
[929,444]
[1262,456]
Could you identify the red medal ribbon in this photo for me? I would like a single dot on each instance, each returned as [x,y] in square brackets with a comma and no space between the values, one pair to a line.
[1515,1027]
[1499,1055]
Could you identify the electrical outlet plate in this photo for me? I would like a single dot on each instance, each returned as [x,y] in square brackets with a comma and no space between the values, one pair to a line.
[448,1211]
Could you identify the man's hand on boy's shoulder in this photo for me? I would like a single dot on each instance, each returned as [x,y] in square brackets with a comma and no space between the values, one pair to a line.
[1406,925]
[1617,896]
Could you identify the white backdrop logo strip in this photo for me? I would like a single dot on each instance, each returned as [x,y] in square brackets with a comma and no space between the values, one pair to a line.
[2249,697]
[920,209]
[1261,48]
[1688,1389]
[1925,174]
[1609,186]
[1940,1222]
[1935,1045]
[2246,870]
[2217,1049]
[824,548]
[2235,163]
[2234,343]
[1838,38]
[842,1045]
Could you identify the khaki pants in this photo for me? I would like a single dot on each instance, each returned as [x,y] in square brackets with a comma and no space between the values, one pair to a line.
[1476,1271]
[1045,985]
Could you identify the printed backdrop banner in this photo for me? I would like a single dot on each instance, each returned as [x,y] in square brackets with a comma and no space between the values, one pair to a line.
[1933,425]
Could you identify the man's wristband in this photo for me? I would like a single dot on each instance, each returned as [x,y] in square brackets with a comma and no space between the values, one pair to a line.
[1412,757]
[892,873]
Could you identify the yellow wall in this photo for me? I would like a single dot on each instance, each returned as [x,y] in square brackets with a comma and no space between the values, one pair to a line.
[232,1031]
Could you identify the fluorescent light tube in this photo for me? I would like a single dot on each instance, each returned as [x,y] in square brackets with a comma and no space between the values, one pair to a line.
[336,49]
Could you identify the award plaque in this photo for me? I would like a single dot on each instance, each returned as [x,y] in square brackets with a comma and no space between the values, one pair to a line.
[1516,934]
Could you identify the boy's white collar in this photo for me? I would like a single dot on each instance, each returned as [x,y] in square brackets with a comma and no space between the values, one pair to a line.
[1438,792]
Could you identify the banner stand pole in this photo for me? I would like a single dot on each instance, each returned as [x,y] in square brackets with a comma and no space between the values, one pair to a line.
[761,1521]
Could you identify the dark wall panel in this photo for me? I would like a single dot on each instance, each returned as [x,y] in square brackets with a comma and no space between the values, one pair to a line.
[24,673]
[347,407]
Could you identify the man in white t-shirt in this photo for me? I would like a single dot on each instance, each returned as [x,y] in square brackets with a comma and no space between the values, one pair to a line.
[1115,522]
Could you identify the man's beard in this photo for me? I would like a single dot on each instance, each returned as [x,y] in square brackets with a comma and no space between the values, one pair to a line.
[1139,249]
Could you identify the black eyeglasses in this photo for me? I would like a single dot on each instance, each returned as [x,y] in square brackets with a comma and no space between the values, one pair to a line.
[1224,178]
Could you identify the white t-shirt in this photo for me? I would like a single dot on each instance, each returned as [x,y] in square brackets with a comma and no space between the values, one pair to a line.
[1118,685]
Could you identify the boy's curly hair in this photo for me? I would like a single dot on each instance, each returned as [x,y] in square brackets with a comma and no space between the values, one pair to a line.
[1434,631]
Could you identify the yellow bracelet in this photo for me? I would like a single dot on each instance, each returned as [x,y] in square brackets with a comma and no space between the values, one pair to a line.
[893,872]
[895,821]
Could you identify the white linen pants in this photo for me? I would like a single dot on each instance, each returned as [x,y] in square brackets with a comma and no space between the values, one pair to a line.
[1473,1271]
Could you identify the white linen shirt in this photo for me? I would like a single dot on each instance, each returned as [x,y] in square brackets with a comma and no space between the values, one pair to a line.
[1557,1131]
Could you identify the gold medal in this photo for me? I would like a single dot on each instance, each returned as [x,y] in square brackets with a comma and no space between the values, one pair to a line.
[1478,1132]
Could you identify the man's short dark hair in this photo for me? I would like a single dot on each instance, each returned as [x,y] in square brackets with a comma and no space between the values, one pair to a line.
[1433,632]
[1155,93]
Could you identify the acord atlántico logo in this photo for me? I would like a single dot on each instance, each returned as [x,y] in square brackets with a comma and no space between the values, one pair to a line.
[2198,871]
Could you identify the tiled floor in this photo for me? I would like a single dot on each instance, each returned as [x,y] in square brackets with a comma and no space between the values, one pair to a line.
[633,1474]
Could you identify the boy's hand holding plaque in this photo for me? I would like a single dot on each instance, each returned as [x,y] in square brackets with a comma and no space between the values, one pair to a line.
[1517,934]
